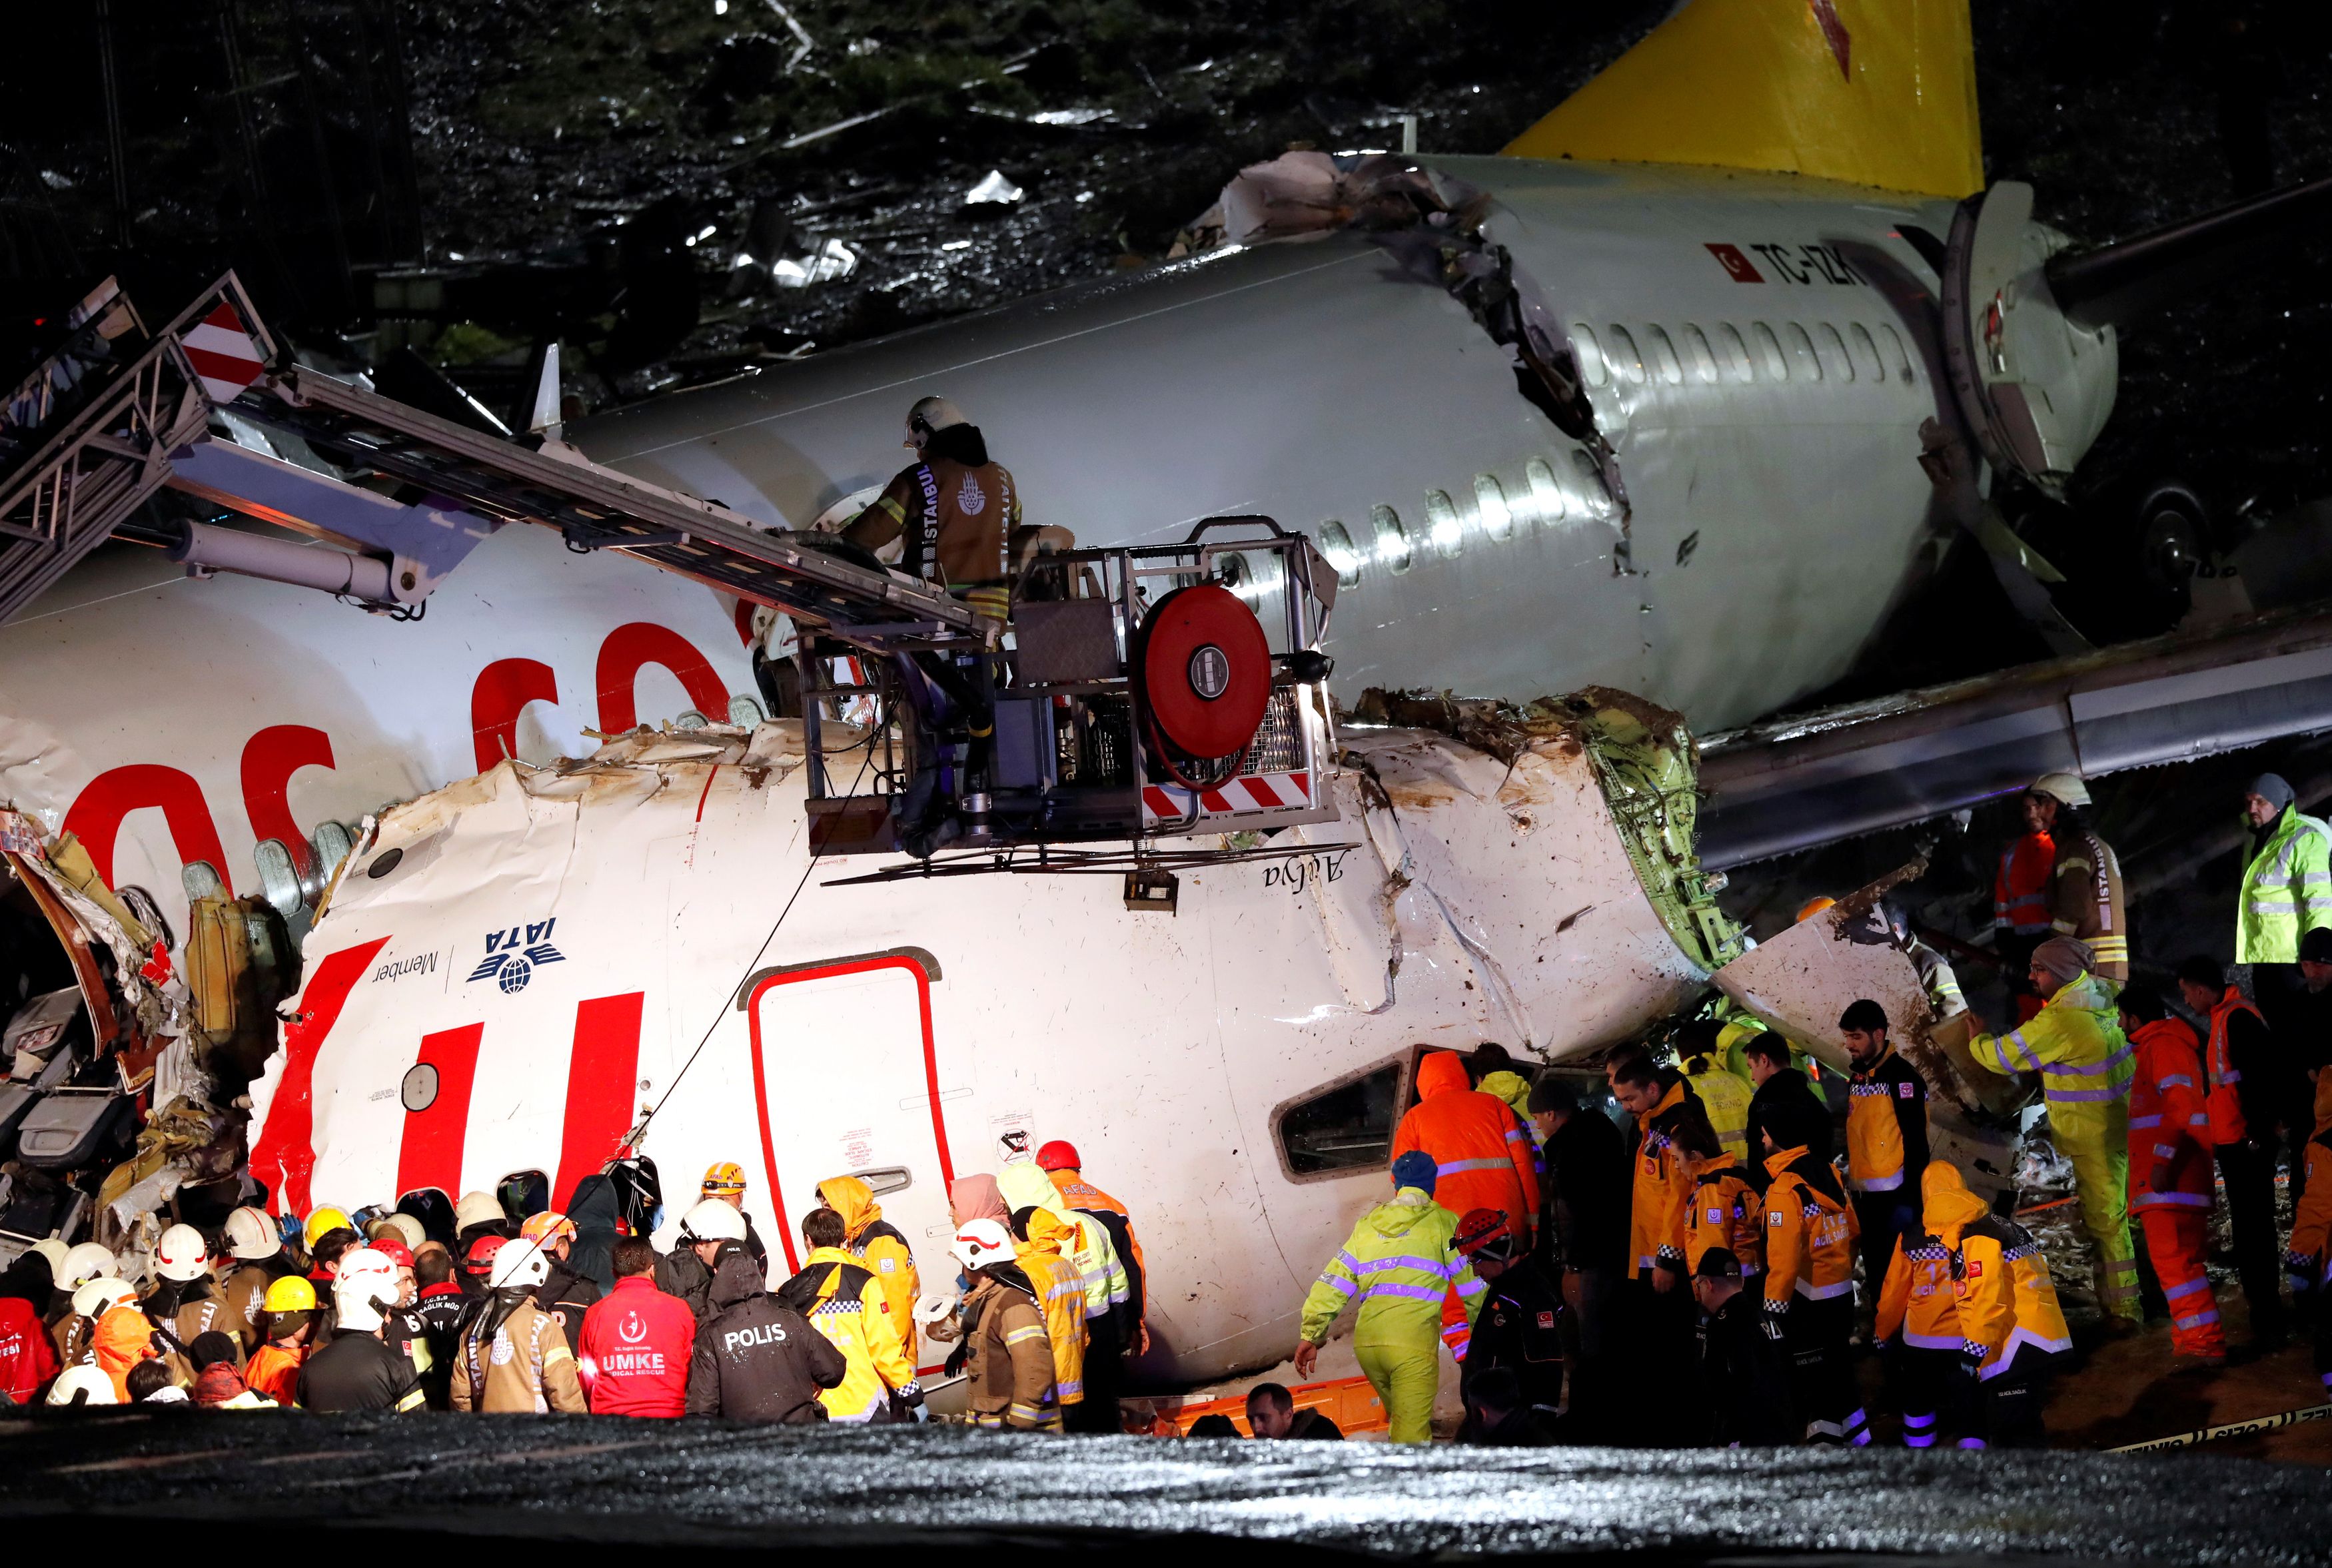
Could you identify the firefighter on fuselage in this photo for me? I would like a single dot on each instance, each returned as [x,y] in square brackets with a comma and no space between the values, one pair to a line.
[955,507]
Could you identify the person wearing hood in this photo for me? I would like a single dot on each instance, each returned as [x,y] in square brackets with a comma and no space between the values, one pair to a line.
[877,1247]
[565,1293]
[1396,1269]
[2014,1330]
[1723,1094]
[1917,1331]
[123,1336]
[977,1197]
[2308,1257]
[217,1384]
[755,1359]
[594,1208]
[1038,1241]
[512,1356]
[2076,1044]
[358,1371]
[1482,1154]
[842,1300]
[1810,1234]
[2171,1184]
[1492,1068]
[1003,1352]
[1109,1294]
[28,1356]
[255,1248]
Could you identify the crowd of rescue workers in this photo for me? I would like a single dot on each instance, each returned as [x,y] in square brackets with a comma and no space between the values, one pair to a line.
[1690,1277]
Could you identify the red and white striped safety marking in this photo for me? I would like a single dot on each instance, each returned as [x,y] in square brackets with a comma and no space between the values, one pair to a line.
[223,353]
[1261,792]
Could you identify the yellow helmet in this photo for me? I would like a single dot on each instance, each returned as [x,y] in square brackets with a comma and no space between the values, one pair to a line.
[728,1176]
[293,1293]
[326,1218]
[1813,907]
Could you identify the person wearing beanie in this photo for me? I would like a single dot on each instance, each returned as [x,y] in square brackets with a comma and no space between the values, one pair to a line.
[1395,1269]
[2285,893]
[2076,1045]
[1519,1329]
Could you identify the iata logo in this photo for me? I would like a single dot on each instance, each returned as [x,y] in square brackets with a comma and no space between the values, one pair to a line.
[510,962]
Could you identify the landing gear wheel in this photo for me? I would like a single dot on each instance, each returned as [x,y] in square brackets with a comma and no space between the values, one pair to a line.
[1205,669]
[2173,537]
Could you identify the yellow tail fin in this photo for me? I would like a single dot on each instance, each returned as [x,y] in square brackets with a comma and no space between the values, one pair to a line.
[1875,93]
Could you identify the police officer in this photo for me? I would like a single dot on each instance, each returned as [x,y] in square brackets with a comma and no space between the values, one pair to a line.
[758,1359]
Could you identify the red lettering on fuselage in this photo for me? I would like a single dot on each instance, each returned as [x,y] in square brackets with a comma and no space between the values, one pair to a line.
[502,690]
[270,759]
[601,1073]
[631,647]
[430,1153]
[95,818]
[284,1157]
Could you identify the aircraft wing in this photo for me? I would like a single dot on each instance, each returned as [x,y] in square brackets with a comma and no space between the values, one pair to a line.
[1797,782]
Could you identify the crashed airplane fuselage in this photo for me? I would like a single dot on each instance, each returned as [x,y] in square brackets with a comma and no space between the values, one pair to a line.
[514,968]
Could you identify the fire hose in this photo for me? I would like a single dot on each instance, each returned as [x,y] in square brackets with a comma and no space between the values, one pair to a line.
[2290,1417]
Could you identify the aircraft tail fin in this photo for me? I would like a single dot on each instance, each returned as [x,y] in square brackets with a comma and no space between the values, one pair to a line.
[1875,92]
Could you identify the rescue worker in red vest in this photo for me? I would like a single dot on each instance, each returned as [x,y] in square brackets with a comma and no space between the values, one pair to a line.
[1399,1265]
[2237,1054]
[2170,1178]
[1060,1161]
[1918,1331]
[2085,898]
[1810,1232]
[2015,1331]
[1886,1137]
[844,1301]
[2310,1256]
[2076,1044]
[1483,1154]
[2021,920]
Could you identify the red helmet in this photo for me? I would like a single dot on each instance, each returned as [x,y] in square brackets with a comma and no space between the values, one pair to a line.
[481,1254]
[393,1248]
[1479,1228]
[1060,1154]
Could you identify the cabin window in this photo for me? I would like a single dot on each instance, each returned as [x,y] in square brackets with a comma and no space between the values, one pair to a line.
[1895,353]
[523,1193]
[1664,357]
[1738,366]
[883,1181]
[1592,488]
[1803,360]
[1866,354]
[1591,354]
[1834,353]
[1546,493]
[1704,359]
[744,712]
[1336,544]
[1393,539]
[1626,363]
[1490,504]
[1442,525]
[279,879]
[1769,351]
[1345,1127]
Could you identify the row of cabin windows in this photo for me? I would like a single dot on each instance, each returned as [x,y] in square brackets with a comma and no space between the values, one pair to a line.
[1392,542]
[1736,358]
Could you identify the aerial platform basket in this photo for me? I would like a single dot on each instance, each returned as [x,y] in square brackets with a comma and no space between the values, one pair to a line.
[1144,692]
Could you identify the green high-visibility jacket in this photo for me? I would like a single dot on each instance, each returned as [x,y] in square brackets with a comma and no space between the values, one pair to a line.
[1399,1265]
[2286,890]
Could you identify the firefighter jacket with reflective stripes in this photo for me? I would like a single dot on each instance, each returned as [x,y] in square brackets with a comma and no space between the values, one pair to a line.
[524,1366]
[879,1249]
[1725,1095]
[2310,1256]
[1937,979]
[2084,900]
[1009,1359]
[1398,1265]
[1919,1301]
[843,1301]
[2007,1303]
[2169,1130]
[359,1371]
[2020,892]
[2238,1039]
[1810,1232]
[1482,1154]
[957,518]
[1079,1193]
[1107,1289]
[1663,1186]
[1886,1126]
[2074,1043]
[2285,891]
[244,1291]
[1727,1210]
[1061,1296]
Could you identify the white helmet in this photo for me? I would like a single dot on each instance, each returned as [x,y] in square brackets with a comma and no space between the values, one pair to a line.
[181,1254]
[251,1235]
[2065,789]
[477,1209]
[101,1296]
[521,1263]
[87,1380]
[56,1252]
[364,1280]
[713,1221]
[404,1227]
[86,1262]
[980,1243]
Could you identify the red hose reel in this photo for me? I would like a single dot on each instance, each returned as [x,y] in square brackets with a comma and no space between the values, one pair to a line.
[1204,666]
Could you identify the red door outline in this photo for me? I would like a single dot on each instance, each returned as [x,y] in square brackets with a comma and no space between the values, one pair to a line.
[917,963]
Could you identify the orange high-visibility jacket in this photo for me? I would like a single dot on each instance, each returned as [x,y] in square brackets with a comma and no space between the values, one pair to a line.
[2224,1099]
[2311,1225]
[2007,1302]
[1810,1232]
[1483,1155]
[2020,892]
[2167,1123]
[125,1337]
[1061,1297]
[1662,1193]
[1726,1210]
[1919,1301]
